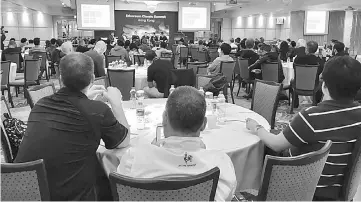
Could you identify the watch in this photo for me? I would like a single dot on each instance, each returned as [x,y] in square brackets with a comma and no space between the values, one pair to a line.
[258,127]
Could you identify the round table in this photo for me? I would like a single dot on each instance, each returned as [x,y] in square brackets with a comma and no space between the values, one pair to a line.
[140,77]
[244,148]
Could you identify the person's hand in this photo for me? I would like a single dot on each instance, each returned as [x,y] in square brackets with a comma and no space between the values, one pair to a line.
[95,90]
[251,124]
[113,95]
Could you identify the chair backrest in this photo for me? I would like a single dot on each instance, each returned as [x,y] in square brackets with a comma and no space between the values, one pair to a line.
[202,70]
[123,79]
[174,48]
[102,81]
[167,58]
[13,57]
[184,52]
[236,67]
[110,59]
[35,93]
[305,77]
[195,188]
[352,174]
[227,69]
[292,178]
[6,146]
[213,55]
[24,181]
[183,77]
[5,72]
[166,55]
[265,99]
[32,68]
[194,65]
[202,56]
[270,71]
[43,56]
[194,53]
[243,68]
[139,59]
[202,80]
[28,57]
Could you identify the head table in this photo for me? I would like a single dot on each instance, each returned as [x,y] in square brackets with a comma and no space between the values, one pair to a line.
[244,148]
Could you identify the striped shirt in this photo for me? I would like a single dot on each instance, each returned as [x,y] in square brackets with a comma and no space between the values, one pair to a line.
[312,127]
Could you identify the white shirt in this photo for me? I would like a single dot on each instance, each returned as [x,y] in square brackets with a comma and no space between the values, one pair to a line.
[168,160]
[233,46]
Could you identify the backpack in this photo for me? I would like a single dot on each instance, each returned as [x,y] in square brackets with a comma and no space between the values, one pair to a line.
[216,84]
[15,130]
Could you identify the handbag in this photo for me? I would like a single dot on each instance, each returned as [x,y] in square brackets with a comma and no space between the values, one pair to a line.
[15,130]
[216,84]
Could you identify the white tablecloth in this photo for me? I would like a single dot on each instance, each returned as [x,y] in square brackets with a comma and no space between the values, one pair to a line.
[140,78]
[12,72]
[288,72]
[245,149]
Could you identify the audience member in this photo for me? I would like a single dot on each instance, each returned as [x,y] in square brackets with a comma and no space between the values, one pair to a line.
[339,49]
[12,49]
[158,76]
[30,44]
[311,59]
[300,49]
[284,51]
[215,67]
[183,120]
[47,44]
[108,47]
[81,47]
[126,45]
[37,47]
[133,51]
[119,50]
[144,47]
[180,44]
[162,49]
[23,42]
[201,46]
[91,43]
[163,37]
[337,118]
[156,46]
[233,45]
[97,54]
[52,46]
[69,135]
[248,52]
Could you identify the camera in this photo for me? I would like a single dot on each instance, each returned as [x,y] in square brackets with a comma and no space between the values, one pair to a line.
[3,31]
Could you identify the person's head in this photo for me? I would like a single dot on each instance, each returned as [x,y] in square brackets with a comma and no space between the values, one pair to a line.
[289,40]
[153,33]
[181,41]
[261,40]
[312,47]
[191,41]
[52,41]
[184,113]
[150,55]
[200,42]
[120,43]
[112,33]
[284,46]
[265,49]
[339,47]
[301,43]
[162,33]
[243,43]
[81,42]
[47,43]
[127,43]
[232,40]
[66,47]
[100,47]
[333,41]
[12,44]
[31,41]
[163,44]
[249,43]
[77,71]
[12,39]
[225,49]
[293,44]
[59,42]
[36,41]
[342,78]
[23,40]
[144,41]
[133,47]
[92,41]
[237,40]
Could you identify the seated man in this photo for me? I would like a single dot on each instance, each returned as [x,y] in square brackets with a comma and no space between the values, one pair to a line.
[183,120]
[248,53]
[311,59]
[144,47]
[12,49]
[119,50]
[159,73]
[97,55]
[201,46]
[268,56]
[37,47]
[337,118]
[339,49]
[162,49]
[215,67]
[65,130]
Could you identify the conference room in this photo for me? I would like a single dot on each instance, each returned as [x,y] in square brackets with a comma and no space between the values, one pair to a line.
[223,100]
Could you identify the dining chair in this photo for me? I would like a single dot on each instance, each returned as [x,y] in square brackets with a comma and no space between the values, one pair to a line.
[174,48]
[102,81]
[213,55]
[227,69]
[304,82]
[194,53]
[31,73]
[270,71]
[184,55]
[5,146]
[24,181]
[110,59]
[200,187]
[5,76]
[44,61]
[139,59]
[35,93]
[14,58]
[265,99]
[183,77]
[194,66]
[123,79]
[289,178]
[244,75]
[202,69]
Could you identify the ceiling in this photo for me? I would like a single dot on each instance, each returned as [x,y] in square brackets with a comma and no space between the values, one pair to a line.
[52,7]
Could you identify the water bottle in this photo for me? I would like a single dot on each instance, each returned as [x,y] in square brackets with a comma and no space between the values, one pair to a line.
[171,89]
[140,113]
[209,98]
[201,91]
[133,98]
[214,104]
[221,107]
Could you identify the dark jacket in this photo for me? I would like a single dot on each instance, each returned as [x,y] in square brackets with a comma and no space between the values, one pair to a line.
[301,51]
[311,60]
[269,57]
[248,54]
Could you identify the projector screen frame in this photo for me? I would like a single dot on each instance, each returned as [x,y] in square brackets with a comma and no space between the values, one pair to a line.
[111,3]
[193,4]
[317,34]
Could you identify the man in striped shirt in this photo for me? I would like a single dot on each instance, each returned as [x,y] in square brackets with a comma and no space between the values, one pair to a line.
[337,118]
